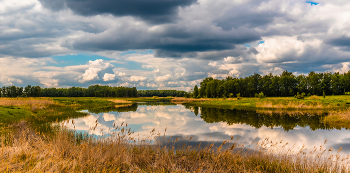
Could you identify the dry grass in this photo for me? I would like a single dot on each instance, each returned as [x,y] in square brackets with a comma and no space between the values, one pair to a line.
[291,112]
[122,106]
[37,102]
[339,118]
[288,105]
[314,97]
[180,100]
[120,101]
[63,152]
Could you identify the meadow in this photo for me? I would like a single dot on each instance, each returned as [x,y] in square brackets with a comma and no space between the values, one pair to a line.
[30,142]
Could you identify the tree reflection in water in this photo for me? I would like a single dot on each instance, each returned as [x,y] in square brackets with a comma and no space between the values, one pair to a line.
[286,120]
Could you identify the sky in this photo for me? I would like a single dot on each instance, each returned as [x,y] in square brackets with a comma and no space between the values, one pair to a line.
[168,44]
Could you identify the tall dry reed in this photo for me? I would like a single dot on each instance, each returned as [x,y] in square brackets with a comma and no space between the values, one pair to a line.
[120,152]
[25,101]
[34,103]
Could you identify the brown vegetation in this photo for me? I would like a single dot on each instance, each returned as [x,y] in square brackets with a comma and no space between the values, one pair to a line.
[291,112]
[25,101]
[65,152]
[339,118]
[180,100]
[288,105]
[120,101]
[314,97]
[122,106]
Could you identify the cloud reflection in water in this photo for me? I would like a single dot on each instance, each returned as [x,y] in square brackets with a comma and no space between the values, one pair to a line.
[182,122]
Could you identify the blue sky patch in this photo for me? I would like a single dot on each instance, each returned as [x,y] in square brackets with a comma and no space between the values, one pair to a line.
[78,59]
[128,53]
[312,3]
[134,52]
[131,65]
[261,42]
[247,45]
[82,59]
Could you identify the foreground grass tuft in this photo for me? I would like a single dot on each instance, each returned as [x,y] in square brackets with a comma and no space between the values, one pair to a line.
[66,152]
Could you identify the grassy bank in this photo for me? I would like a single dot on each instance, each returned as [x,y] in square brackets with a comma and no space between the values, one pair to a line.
[340,119]
[312,102]
[10,114]
[64,152]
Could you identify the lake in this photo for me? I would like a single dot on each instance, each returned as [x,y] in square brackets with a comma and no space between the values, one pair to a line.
[213,125]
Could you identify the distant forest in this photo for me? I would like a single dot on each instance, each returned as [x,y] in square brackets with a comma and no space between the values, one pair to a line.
[161,93]
[286,84]
[91,91]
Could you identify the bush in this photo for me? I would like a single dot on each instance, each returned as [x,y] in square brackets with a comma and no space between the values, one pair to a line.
[314,97]
[347,93]
[261,95]
[256,95]
[308,94]
[300,96]
[231,95]
[239,96]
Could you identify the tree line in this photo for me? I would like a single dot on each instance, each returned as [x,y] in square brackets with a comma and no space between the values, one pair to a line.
[91,91]
[285,84]
[161,93]
[13,91]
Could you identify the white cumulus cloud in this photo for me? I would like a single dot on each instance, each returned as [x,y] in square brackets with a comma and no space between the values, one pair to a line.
[108,77]
[137,78]
[95,67]
[163,78]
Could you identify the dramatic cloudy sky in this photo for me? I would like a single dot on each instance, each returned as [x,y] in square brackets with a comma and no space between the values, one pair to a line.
[167,44]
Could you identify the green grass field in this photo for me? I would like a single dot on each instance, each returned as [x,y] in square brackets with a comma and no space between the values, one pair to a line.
[11,114]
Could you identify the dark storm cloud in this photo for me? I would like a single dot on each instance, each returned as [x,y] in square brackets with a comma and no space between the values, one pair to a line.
[343,41]
[157,11]
[174,40]
[162,53]
[247,14]
[239,51]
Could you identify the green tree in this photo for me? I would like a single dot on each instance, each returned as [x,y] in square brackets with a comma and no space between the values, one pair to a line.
[195,91]
[315,83]
[287,83]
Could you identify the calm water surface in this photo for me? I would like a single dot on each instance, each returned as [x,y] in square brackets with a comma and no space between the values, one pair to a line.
[213,124]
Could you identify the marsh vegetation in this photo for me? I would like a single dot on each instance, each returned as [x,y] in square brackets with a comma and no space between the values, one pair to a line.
[65,151]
